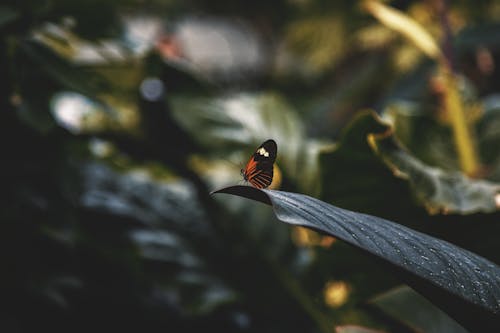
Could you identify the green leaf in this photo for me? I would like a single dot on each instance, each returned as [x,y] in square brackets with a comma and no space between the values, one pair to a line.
[67,75]
[409,121]
[81,114]
[239,123]
[372,156]
[415,311]
[488,134]
[431,141]
[129,194]
[439,190]
[354,177]
[405,25]
[167,227]
[461,283]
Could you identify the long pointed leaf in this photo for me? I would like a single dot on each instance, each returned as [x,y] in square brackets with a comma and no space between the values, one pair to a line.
[461,283]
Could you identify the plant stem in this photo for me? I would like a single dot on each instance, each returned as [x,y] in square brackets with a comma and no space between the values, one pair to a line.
[465,142]
[462,134]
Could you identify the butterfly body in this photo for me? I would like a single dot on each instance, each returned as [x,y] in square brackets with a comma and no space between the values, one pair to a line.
[259,169]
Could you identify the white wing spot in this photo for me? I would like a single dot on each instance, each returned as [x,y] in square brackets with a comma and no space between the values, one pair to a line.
[263,152]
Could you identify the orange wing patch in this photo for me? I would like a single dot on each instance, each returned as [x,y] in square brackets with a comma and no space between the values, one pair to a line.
[259,169]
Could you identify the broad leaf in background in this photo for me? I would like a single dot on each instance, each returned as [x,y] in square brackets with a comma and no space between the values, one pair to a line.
[234,125]
[137,195]
[405,305]
[438,190]
[426,138]
[163,218]
[431,141]
[451,100]
[355,178]
[80,114]
[461,283]
[41,64]
[117,62]
[62,71]
[489,136]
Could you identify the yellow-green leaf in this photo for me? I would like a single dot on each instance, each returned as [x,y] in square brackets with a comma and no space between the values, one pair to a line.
[405,25]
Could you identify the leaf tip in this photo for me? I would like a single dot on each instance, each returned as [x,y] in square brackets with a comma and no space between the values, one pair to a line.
[248,192]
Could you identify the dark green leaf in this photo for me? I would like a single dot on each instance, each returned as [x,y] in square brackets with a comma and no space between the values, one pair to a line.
[461,283]
[379,192]
[136,195]
[438,189]
[415,311]
[354,177]
[67,75]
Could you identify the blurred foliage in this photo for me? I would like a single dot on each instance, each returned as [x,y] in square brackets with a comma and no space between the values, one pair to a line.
[119,117]
[402,303]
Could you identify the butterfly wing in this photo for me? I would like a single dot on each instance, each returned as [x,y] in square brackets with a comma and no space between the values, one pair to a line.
[262,179]
[259,169]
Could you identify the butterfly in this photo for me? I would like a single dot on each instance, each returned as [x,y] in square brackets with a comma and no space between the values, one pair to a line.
[259,169]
